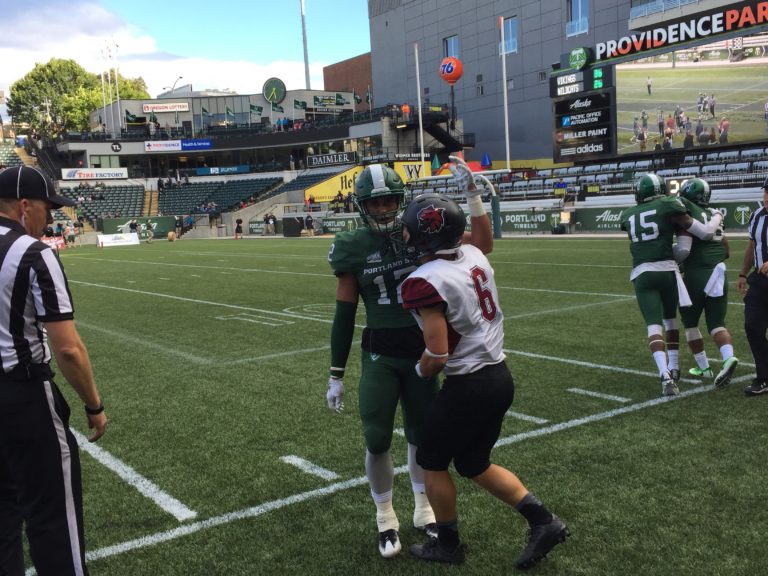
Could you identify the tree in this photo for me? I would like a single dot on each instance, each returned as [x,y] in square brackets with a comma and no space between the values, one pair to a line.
[61,94]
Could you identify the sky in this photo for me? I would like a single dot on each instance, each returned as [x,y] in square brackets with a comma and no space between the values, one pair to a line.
[219,44]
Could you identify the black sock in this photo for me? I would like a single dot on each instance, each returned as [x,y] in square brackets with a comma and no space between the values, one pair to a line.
[533,510]
[448,534]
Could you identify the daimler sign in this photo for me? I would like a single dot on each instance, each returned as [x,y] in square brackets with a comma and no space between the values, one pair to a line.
[331,159]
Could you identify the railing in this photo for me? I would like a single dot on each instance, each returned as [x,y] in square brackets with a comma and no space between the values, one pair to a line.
[656,6]
[576,27]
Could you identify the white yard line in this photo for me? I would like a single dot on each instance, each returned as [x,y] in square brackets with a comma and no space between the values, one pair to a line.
[146,487]
[143,342]
[309,467]
[600,395]
[526,417]
[567,308]
[574,292]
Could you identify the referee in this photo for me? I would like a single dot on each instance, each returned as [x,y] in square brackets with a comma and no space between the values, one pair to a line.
[40,482]
[754,272]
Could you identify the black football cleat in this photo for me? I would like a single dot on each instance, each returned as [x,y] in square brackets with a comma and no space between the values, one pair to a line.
[434,551]
[541,539]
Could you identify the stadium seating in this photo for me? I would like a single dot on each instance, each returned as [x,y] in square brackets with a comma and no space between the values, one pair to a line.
[109,200]
[761,165]
[729,156]
[752,154]
[712,169]
[689,171]
[8,156]
[737,167]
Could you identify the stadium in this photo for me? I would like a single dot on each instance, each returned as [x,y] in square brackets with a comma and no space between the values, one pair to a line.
[222,456]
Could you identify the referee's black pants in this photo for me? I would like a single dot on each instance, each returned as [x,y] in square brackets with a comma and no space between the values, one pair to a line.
[40,482]
[756,322]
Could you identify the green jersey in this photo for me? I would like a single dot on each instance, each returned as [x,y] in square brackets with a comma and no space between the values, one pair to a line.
[379,273]
[651,229]
[704,253]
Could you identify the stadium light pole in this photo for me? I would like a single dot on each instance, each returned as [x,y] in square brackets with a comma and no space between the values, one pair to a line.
[504,88]
[306,54]
[173,88]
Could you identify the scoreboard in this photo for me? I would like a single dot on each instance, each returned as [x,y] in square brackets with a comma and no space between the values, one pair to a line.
[584,107]
[581,81]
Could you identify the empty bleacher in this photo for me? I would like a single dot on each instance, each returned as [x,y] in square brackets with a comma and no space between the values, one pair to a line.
[225,194]
[123,200]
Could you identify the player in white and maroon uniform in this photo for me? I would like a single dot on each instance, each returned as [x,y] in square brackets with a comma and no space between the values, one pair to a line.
[454,298]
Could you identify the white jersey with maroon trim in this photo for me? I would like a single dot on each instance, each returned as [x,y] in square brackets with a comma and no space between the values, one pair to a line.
[467,288]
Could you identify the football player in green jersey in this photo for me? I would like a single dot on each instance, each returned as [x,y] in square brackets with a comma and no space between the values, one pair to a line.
[703,263]
[651,227]
[370,263]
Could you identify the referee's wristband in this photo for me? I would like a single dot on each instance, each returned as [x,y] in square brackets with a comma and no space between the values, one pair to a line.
[94,411]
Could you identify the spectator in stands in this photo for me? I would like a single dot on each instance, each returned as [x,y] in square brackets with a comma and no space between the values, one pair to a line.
[724,126]
[667,144]
[657,146]
[688,140]
[291,162]
[699,128]
[186,180]
[703,137]
[160,185]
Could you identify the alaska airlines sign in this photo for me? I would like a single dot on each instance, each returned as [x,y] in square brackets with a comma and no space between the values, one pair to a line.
[730,20]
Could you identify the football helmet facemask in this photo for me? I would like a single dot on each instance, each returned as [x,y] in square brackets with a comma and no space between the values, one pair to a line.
[375,182]
[435,224]
[697,191]
[649,187]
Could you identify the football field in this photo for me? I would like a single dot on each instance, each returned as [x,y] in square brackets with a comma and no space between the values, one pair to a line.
[222,458]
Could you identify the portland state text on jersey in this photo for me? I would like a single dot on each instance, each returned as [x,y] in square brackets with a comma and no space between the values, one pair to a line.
[385,266]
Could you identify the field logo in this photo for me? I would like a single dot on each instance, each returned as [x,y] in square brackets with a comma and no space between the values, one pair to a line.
[578,58]
[566,120]
[742,214]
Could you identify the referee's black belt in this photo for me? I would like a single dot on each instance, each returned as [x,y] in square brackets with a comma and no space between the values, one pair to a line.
[27,372]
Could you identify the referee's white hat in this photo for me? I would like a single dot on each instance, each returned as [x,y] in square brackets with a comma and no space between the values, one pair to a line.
[28,182]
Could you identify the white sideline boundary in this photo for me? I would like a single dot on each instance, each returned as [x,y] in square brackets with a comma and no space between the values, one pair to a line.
[145,487]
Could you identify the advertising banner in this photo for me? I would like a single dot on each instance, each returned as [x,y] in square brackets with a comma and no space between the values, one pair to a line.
[331,159]
[94,173]
[585,127]
[162,146]
[166,107]
[327,190]
[108,240]
[196,144]
[529,220]
[160,226]
[344,224]
[217,170]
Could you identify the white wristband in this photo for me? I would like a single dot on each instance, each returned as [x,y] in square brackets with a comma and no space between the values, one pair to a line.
[418,370]
[431,354]
[476,208]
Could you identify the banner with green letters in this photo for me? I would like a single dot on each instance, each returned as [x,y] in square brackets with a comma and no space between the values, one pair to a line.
[160,225]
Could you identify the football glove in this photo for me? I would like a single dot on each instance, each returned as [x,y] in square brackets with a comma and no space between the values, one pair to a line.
[465,179]
[335,394]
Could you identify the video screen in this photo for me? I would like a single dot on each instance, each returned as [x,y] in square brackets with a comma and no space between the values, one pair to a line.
[694,98]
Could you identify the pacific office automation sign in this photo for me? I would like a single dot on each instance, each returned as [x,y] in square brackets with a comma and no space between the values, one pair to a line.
[730,20]
[585,127]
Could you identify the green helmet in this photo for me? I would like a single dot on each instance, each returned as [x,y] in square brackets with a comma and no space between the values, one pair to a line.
[697,191]
[379,181]
[648,187]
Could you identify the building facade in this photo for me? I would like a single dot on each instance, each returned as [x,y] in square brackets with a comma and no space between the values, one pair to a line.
[537,33]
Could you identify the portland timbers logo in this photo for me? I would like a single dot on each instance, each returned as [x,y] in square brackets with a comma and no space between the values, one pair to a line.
[578,58]
[431,220]
[742,214]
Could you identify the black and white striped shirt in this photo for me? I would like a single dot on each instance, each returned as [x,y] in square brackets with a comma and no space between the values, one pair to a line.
[33,290]
[758,233]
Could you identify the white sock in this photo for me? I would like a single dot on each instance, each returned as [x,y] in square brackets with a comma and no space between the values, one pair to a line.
[422,511]
[660,358]
[386,519]
[701,360]
[672,359]
[726,351]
